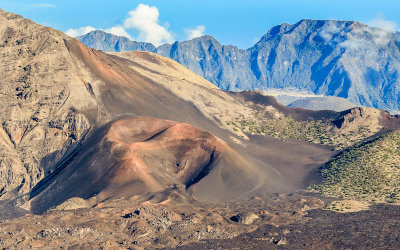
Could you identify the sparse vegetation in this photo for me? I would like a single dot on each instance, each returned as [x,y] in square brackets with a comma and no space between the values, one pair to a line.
[272,122]
[344,206]
[369,171]
[285,127]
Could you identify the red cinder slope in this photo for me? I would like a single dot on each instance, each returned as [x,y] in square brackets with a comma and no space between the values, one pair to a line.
[143,155]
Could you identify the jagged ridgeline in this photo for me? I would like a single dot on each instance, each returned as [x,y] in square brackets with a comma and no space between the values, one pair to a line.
[368,171]
[334,58]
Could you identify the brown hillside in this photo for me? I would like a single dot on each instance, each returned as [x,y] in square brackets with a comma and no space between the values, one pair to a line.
[59,98]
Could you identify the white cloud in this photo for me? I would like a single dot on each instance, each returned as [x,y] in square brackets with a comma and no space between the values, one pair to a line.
[330,30]
[44,5]
[369,39]
[79,31]
[196,32]
[145,19]
[383,35]
[119,31]
[355,43]
[381,23]
[361,38]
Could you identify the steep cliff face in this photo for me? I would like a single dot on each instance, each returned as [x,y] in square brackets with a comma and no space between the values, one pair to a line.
[226,66]
[48,102]
[339,58]
[335,58]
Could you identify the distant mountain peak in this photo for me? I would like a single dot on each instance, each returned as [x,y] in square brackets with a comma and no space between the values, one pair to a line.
[205,37]
[101,40]
[341,58]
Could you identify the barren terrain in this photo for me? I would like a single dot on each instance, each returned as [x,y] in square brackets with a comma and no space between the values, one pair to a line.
[132,150]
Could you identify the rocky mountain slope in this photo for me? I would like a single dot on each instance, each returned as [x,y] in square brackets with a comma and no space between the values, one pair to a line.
[59,97]
[226,66]
[135,150]
[43,95]
[334,58]
[58,94]
[341,58]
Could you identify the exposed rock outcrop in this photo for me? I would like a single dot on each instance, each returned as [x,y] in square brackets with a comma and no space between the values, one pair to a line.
[44,96]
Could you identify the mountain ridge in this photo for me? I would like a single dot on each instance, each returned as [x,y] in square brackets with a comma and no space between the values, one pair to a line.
[134,150]
[57,94]
[328,57]
[109,42]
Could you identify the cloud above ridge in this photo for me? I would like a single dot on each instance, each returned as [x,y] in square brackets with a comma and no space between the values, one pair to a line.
[196,32]
[145,19]
[79,31]
[360,37]
[119,31]
[381,23]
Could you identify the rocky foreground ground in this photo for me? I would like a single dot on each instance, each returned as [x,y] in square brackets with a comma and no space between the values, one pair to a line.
[377,228]
[278,221]
[123,224]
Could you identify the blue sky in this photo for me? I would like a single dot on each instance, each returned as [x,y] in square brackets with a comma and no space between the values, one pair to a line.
[234,22]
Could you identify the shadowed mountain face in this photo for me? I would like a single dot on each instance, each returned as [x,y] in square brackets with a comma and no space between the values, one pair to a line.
[226,66]
[334,58]
[340,58]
